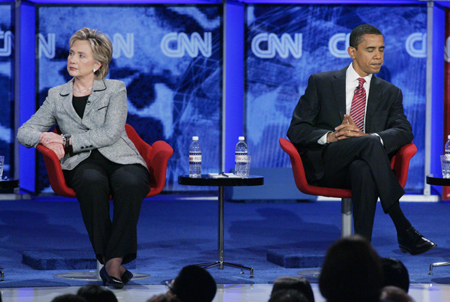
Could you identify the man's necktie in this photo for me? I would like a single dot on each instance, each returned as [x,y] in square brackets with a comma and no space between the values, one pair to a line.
[359,105]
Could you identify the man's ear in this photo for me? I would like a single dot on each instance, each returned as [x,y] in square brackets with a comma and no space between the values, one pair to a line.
[352,52]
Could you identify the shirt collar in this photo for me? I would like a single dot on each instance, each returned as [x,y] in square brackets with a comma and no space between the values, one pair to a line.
[353,76]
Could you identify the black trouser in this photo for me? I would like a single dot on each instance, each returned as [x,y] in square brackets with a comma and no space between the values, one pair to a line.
[362,165]
[94,180]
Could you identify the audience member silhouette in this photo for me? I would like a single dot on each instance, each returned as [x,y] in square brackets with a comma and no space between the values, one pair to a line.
[288,295]
[297,283]
[395,294]
[96,293]
[161,298]
[68,298]
[395,273]
[193,284]
[351,272]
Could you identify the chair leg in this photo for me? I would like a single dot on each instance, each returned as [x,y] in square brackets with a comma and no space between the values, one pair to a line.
[346,211]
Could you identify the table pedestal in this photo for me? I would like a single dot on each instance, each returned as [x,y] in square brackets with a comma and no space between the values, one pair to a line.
[439,181]
[221,183]
[220,263]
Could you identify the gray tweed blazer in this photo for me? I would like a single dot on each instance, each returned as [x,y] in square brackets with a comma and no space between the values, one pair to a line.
[102,126]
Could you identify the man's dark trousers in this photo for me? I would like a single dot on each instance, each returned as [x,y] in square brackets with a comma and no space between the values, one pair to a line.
[362,164]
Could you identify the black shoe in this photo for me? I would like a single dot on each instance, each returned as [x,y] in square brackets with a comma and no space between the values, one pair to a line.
[414,243]
[109,280]
[126,277]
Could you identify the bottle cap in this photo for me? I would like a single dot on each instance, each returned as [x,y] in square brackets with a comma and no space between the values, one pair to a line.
[241,138]
[195,138]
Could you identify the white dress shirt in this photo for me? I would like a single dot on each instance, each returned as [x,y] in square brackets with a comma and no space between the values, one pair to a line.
[351,82]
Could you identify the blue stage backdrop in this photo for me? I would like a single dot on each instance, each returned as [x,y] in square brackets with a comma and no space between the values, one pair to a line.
[285,44]
[7,86]
[170,58]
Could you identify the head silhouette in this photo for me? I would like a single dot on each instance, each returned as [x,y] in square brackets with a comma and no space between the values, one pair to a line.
[351,271]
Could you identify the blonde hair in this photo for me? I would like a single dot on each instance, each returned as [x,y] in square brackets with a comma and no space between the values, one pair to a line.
[101,48]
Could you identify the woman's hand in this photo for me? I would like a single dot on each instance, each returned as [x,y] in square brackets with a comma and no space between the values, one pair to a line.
[57,148]
[54,142]
[47,138]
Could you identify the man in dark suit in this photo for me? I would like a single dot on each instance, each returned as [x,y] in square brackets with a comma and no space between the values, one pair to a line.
[346,126]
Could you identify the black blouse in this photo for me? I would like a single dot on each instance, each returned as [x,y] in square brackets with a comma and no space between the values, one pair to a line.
[79,103]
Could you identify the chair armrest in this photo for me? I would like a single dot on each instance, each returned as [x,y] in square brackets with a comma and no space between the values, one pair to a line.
[296,162]
[300,176]
[161,152]
[156,158]
[400,162]
[55,173]
[145,150]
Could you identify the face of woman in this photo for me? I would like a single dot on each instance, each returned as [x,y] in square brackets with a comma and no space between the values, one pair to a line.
[80,63]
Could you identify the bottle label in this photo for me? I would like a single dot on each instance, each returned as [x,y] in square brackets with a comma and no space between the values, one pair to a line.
[241,158]
[195,158]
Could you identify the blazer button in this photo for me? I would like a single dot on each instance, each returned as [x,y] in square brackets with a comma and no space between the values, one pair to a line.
[90,146]
[82,147]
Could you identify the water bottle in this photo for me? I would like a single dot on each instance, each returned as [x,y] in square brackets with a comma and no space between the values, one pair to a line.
[447,146]
[195,159]
[445,160]
[240,168]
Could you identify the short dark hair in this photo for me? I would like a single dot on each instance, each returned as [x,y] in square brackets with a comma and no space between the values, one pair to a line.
[351,271]
[161,298]
[194,284]
[68,298]
[298,283]
[96,293]
[395,273]
[288,295]
[359,31]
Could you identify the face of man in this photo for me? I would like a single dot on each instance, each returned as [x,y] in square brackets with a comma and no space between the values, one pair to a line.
[368,55]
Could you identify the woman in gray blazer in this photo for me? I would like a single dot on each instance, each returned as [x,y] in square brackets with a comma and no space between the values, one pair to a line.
[97,157]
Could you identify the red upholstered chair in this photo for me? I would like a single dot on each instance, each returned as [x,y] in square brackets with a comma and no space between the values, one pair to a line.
[156,156]
[399,163]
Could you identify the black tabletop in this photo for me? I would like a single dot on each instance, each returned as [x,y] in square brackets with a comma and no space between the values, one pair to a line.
[439,181]
[205,180]
[9,184]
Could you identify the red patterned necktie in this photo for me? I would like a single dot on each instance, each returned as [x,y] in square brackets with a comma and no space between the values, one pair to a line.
[359,105]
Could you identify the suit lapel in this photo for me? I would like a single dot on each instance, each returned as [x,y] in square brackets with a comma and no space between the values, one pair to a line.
[99,86]
[66,97]
[339,91]
[375,95]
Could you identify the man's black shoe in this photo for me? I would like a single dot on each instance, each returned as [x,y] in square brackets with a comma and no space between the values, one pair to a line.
[414,243]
